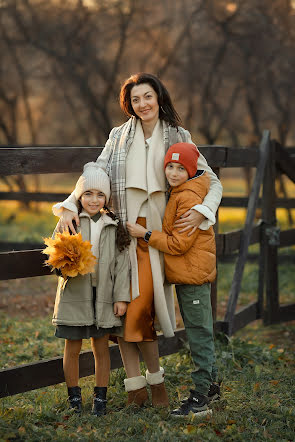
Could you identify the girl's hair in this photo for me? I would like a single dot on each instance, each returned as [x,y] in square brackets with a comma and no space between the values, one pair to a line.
[167,111]
[123,239]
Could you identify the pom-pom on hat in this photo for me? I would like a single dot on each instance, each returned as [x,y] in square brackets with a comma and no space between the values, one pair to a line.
[186,154]
[93,177]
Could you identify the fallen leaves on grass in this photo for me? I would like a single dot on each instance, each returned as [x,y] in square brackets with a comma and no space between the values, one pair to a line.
[22,431]
[274,382]
[256,386]
[190,429]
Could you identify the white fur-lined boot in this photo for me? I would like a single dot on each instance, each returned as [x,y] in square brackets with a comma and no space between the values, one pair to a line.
[137,391]
[156,383]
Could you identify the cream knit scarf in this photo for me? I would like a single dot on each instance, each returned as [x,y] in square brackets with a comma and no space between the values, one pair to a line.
[145,181]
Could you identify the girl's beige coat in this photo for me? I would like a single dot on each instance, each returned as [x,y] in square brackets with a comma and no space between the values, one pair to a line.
[74,301]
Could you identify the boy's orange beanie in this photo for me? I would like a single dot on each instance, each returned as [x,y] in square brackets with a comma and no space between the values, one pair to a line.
[186,154]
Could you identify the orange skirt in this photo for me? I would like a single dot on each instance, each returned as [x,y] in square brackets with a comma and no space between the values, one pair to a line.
[139,320]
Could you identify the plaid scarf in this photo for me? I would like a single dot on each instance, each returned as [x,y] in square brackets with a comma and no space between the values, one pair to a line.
[116,165]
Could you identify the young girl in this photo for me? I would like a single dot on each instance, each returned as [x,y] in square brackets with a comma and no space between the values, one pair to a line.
[91,305]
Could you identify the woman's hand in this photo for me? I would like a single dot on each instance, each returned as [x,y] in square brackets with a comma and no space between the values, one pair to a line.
[120,308]
[189,220]
[136,230]
[66,221]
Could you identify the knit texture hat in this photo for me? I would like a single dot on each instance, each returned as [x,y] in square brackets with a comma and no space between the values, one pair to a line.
[93,177]
[186,154]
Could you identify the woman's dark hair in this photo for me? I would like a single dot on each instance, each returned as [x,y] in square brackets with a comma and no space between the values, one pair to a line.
[123,239]
[167,111]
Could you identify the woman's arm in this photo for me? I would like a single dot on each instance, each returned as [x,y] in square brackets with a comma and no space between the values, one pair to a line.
[202,215]
[68,209]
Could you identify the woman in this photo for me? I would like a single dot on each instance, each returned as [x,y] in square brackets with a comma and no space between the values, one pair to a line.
[133,158]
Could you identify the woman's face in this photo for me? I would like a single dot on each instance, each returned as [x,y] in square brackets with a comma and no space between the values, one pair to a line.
[92,201]
[144,101]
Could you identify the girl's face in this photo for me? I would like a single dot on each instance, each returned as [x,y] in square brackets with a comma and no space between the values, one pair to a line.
[144,101]
[176,174]
[92,201]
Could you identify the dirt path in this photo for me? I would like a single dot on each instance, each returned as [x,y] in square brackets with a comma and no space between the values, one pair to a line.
[29,297]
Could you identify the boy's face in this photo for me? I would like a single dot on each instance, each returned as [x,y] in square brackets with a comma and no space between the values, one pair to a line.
[92,201]
[176,174]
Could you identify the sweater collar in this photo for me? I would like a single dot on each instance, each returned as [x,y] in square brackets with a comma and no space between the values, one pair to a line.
[103,216]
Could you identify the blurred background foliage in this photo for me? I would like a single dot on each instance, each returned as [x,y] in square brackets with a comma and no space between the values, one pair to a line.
[228,64]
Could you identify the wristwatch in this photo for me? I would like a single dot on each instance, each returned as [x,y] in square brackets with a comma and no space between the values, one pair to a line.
[147,236]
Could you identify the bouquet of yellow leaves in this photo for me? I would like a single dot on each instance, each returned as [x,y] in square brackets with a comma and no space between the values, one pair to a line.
[69,254]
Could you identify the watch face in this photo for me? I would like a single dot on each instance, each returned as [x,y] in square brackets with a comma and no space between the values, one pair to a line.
[147,236]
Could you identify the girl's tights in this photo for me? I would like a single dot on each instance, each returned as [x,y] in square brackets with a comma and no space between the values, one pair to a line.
[100,348]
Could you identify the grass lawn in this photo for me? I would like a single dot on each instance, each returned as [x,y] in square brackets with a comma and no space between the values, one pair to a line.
[257,367]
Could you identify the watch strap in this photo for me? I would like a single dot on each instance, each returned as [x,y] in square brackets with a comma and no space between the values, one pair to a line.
[147,236]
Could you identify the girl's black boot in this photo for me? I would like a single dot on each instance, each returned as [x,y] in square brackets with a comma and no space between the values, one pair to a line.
[99,407]
[75,399]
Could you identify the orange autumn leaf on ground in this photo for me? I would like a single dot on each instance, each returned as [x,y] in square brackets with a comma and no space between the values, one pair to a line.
[274,382]
[69,254]
[256,386]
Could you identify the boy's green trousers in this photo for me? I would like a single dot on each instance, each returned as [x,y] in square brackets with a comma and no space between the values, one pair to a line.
[195,308]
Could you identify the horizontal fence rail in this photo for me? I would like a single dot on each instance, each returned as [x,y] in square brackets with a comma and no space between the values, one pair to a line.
[49,372]
[67,159]
[27,263]
[32,160]
[52,197]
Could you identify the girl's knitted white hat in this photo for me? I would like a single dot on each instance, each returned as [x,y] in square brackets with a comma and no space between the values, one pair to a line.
[93,177]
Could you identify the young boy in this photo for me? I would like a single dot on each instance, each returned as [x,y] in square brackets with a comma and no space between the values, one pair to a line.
[190,264]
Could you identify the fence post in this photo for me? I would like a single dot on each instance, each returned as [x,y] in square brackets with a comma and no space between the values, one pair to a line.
[261,273]
[270,240]
[246,234]
[214,284]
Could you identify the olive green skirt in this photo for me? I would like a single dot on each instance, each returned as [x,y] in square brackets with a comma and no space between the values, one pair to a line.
[84,332]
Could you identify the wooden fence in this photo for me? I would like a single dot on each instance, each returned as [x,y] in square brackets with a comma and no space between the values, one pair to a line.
[268,159]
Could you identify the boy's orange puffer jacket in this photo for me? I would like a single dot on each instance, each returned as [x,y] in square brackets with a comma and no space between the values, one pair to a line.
[188,259]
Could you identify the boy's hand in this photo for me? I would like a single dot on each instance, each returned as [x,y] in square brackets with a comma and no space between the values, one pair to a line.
[189,220]
[136,230]
[120,308]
